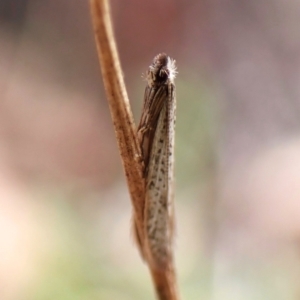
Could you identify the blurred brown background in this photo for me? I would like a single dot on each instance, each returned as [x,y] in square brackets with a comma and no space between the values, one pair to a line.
[64,205]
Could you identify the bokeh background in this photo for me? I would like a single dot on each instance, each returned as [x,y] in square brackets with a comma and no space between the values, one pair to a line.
[64,206]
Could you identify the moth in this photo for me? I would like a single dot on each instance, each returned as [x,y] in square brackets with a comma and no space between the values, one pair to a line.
[155,133]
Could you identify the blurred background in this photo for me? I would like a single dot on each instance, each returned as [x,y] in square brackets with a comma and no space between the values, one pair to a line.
[65,214]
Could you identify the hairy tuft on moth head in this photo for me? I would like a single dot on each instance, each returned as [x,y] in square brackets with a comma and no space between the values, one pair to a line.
[162,71]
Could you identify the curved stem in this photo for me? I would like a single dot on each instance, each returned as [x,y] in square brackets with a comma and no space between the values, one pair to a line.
[163,279]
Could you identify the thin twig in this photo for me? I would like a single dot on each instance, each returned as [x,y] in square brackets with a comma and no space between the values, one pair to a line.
[119,106]
[164,279]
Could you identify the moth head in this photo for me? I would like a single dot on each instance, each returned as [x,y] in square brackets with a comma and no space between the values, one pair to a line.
[162,71]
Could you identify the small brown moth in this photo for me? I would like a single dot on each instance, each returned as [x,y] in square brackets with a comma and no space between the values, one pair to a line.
[156,138]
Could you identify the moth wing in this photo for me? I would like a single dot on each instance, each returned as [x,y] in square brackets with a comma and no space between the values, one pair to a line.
[156,204]
[159,204]
[154,101]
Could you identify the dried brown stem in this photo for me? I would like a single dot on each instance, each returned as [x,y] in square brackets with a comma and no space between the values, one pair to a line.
[119,107]
[165,279]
